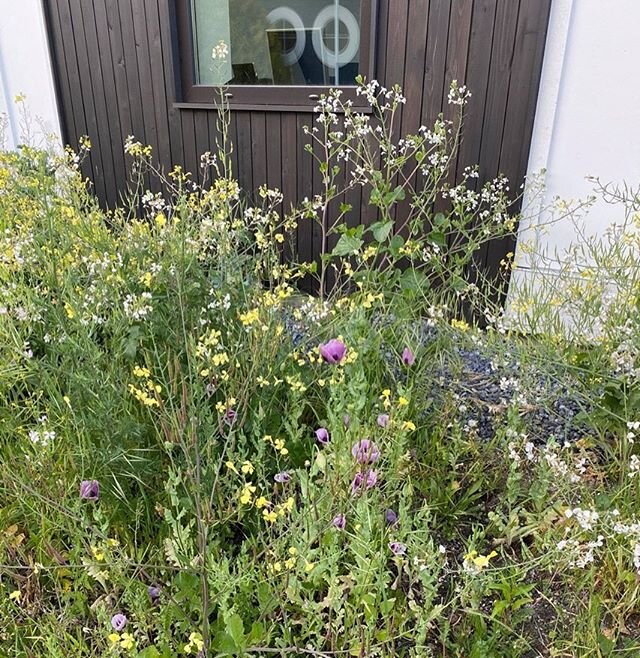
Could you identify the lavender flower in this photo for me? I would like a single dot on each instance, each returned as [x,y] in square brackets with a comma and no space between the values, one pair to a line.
[397,548]
[230,416]
[383,420]
[390,517]
[90,490]
[154,593]
[282,478]
[322,435]
[334,351]
[368,479]
[357,483]
[118,622]
[339,522]
[365,451]
[408,358]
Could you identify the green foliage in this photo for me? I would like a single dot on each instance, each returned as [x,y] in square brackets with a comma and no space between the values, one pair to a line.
[164,350]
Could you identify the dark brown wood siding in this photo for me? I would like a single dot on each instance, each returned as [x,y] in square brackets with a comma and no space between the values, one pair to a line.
[116,63]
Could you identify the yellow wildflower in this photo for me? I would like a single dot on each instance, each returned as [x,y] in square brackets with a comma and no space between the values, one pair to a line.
[269,515]
[127,641]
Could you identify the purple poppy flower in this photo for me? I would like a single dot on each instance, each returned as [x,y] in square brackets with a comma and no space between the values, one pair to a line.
[89,490]
[230,416]
[368,479]
[356,483]
[346,420]
[154,593]
[322,435]
[383,420]
[365,451]
[397,548]
[334,351]
[339,522]
[118,622]
[282,478]
[390,517]
[408,357]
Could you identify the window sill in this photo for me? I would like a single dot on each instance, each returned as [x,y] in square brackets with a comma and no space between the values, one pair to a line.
[266,107]
[266,98]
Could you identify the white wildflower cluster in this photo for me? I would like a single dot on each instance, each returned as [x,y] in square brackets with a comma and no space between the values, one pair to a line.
[42,437]
[519,447]
[559,467]
[314,310]
[634,466]
[632,426]
[435,315]
[138,307]
[220,50]
[458,94]
[373,92]
[624,358]
[208,159]
[582,553]
[585,518]
[153,202]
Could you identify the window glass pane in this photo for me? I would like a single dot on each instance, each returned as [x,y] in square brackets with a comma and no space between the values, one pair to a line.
[302,42]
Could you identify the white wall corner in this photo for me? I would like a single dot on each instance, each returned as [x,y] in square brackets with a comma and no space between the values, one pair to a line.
[26,68]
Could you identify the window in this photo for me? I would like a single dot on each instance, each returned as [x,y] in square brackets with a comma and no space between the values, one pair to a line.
[281,53]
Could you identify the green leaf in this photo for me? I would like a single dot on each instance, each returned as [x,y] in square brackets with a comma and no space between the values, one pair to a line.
[381,230]
[149,652]
[396,242]
[439,238]
[439,220]
[235,629]
[347,244]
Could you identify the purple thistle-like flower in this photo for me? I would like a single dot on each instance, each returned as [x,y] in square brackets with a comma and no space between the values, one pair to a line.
[346,420]
[282,478]
[339,522]
[383,420]
[154,593]
[334,351]
[118,622]
[365,451]
[408,358]
[89,490]
[372,478]
[356,483]
[390,517]
[322,435]
[397,548]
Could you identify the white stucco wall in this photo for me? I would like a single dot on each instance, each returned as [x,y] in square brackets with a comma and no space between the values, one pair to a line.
[588,115]
[25,68]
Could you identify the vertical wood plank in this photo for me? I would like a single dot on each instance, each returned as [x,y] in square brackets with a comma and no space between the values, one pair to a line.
[52,18]
[289,173]
[258,149]
[100,139]
[158,84]
[243,147]
[169,59]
